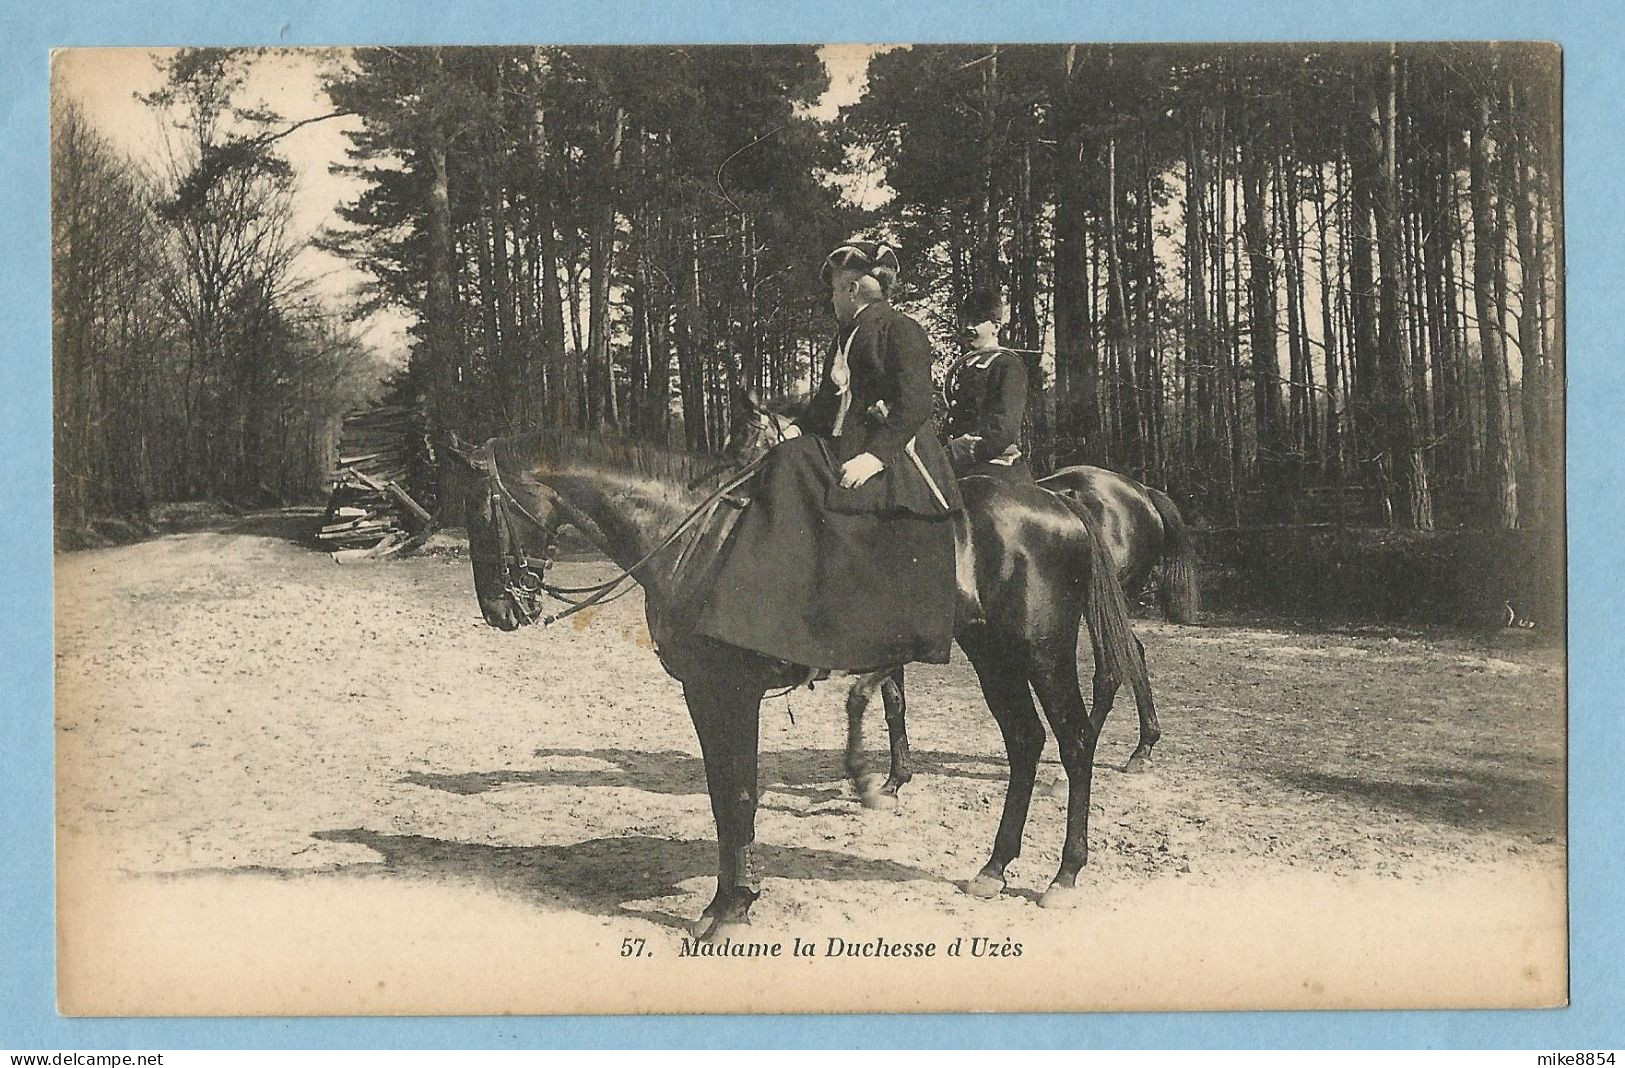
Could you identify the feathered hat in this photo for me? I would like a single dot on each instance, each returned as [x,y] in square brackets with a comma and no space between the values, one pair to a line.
[873,258]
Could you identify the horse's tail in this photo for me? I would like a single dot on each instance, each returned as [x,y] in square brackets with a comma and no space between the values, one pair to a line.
[1180,598]
[1107,616]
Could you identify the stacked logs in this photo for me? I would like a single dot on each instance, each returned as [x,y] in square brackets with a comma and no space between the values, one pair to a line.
[369,515]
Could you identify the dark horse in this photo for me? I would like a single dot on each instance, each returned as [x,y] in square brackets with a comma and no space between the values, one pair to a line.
[1030,566]
[1141,527]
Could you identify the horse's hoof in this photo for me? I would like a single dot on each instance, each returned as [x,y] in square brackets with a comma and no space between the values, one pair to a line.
[1058,789]
[984,886]
[873,792]
[1138,765]
[877,800]
[1060,897]
[725,929]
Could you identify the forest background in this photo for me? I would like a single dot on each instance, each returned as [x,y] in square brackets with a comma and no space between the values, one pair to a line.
[1311,290]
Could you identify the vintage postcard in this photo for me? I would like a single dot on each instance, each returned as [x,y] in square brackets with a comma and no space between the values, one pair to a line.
[662,529]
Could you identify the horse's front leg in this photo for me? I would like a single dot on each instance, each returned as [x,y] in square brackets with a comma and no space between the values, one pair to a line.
[1055,679]
[1001,669]
[727,717]
[702,710]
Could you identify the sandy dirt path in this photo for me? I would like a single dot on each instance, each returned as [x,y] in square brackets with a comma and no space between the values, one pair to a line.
[288,785]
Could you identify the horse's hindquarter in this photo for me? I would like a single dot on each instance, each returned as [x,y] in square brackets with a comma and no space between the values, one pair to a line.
[1023,556]
[1128,518]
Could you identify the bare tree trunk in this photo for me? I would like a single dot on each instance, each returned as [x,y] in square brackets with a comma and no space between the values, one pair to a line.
[1531,278]
[637,414]
[1332,454]
[602,403]
[1236,311]
[507,351]
[1554,418]
[985,267]
[1198,330]
[1040,443]
[1077,370]
[579,386]
[1077,367]
[1437,245]
[1470,396]
[1266,366]
[1118,345]
[548,364]
[1368,392]
[691,347]
[444,370]
[1299,423]
[1148,384]
[1488,263]
[1413,497]
[487,390]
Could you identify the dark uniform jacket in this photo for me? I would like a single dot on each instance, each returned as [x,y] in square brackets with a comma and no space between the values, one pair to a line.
[890,382]
[987,398]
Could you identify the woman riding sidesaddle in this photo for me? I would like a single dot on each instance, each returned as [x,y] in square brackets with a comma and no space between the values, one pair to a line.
[844,559]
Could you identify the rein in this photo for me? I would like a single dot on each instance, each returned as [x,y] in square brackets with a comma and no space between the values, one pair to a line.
[523,579]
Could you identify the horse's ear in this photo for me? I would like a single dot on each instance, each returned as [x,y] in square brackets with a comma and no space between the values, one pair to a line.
[449,444]
[747,400]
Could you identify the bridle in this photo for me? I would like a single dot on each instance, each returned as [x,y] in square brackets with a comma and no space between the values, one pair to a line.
[524,577]
[523,580]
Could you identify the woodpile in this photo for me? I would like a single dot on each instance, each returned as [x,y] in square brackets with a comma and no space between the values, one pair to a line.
[370,516]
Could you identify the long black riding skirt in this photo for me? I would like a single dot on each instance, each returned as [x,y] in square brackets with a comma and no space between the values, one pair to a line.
[826,589]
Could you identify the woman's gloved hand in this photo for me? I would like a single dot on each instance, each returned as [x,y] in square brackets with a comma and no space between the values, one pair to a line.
[860,469]
[962,450]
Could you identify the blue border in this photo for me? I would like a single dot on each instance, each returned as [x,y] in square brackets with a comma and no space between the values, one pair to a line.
[1589,30]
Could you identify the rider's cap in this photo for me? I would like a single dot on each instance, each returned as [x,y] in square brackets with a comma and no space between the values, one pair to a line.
[870,257]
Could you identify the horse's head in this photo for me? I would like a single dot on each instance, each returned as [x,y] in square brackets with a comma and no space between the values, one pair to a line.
[756,427]
[511,523]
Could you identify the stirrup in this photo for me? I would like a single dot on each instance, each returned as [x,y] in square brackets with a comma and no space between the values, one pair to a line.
[813,675]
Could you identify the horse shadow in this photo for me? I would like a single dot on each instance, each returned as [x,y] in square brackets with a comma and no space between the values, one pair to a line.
[602,876]
[1471,799]
[814,774]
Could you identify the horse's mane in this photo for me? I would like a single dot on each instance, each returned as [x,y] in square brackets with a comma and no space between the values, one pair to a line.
[605,450]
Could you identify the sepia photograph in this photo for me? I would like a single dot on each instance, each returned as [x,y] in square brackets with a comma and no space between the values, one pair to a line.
[664,529]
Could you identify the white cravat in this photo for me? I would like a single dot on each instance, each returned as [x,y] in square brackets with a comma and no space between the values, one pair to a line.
[840,374]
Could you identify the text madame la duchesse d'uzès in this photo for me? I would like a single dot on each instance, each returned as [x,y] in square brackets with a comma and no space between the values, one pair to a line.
[834,946]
